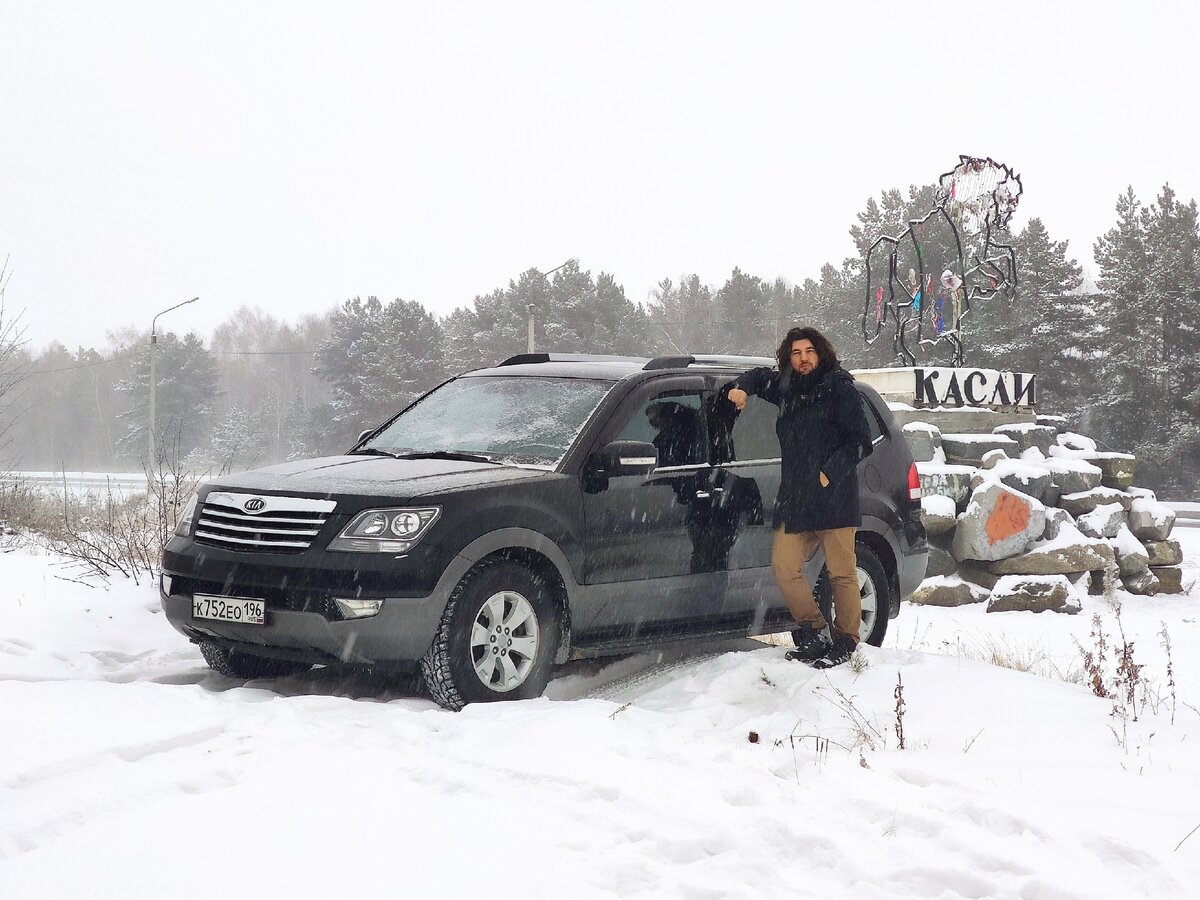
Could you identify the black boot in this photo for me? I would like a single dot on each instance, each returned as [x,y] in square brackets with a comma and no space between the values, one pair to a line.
[839,652]
[811,643]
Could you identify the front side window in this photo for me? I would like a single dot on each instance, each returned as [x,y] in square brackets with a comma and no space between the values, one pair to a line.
[521,420]
[753,435]
[673,422]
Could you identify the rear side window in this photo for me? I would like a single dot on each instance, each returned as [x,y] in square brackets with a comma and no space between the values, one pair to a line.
[872,418]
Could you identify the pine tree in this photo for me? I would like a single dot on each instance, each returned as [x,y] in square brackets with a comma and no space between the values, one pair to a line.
[378,359]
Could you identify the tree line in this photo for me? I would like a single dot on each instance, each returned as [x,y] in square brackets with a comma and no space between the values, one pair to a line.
[1121,362]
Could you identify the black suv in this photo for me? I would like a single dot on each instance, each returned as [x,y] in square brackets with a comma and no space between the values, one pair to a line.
[514,517]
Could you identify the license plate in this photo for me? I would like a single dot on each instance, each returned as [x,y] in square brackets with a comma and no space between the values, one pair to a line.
[244,610]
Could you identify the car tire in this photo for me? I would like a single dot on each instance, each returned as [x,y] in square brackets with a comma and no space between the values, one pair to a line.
[238,664]
[497,638]
[874,588]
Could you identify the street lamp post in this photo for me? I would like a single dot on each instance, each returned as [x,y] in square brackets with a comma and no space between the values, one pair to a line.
[152,459]
[532,308]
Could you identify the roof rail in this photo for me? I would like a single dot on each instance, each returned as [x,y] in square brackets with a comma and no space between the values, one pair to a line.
[522,358]
[732,362]
[669,362]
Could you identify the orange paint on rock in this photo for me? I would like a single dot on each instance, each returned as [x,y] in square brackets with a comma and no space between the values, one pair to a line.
[1009,516]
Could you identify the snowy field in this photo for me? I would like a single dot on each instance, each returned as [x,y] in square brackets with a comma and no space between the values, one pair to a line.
[129,770]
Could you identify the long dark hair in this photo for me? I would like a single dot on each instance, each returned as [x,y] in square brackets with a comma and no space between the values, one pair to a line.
[828,356]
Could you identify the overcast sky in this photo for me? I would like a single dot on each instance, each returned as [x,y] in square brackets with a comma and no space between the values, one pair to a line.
[290,156]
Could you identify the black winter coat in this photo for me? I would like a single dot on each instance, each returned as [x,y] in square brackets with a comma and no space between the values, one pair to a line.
[823,430]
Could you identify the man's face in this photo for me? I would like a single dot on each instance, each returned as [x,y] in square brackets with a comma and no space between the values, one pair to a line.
[804,356]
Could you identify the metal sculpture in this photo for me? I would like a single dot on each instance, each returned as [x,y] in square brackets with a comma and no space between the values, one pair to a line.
[954,257]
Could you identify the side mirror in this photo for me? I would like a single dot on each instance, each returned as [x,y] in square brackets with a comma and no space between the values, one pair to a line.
[628,458]
[362,435]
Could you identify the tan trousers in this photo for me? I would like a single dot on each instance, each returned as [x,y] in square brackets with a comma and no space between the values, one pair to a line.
[788,555]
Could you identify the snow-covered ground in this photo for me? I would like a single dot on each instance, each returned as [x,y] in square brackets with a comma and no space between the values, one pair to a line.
[128,770]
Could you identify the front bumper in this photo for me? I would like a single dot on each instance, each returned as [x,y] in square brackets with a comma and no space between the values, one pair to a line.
[302,620]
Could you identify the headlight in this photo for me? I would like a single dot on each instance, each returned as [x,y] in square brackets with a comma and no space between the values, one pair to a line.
[385,530]
[185,521]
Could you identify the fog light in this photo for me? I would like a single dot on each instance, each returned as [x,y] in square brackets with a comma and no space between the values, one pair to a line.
[358,609]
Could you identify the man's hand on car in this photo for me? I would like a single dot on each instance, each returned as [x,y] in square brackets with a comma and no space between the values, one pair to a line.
[738,398]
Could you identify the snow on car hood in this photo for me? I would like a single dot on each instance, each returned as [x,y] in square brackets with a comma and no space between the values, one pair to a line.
[374,475]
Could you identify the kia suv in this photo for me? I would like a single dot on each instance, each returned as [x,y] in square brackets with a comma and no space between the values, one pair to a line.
[515,517]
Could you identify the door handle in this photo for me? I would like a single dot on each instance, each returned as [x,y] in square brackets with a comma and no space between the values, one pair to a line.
[704,495]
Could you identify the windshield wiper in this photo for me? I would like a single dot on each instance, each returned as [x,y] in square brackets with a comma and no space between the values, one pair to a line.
[446,454]
[374,451]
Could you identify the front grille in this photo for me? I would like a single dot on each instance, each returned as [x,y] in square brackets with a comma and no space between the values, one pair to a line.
[255,523]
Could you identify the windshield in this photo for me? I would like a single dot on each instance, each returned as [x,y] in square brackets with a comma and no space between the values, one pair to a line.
[522,420]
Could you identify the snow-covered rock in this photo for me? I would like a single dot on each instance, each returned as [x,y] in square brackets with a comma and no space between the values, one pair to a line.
[949,481]
[1104,521]
[924,440]
[1072,441]
[1058,423]
[972,447]
[1071,476]
[1068,553]
[1028,436]
[1143,582]
[947,591]
[938,514]
[1131,555]
[1085,501]
[992,457]
[998,522]
[1163,553]
[1117,469]
[1151,520]
[1055,519]
[1025,593]
[1170,579]
[940,562]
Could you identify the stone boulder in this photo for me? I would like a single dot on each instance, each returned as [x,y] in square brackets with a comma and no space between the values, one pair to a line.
[1071,476]
[998,522]
[949,481]
[1040,436]
[1116,469]
[1104,521]
[1086,501]
[991,458]
[1163,553]
[1072,441]
[1055,519]
[970,448]
[1150,520]
[1027,477]
[977,575]
[1058,423]
[938,514]
[1024,593]
[1143,583]
[1068,553]
[923,440]
[947,591]
[1142,492]
[1132,557]
[1170,579]
[940,562]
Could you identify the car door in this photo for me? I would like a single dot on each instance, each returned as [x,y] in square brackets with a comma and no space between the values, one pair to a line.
[746,469]
[643,533]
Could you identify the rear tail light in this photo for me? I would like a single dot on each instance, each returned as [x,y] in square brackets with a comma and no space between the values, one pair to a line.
[914,482]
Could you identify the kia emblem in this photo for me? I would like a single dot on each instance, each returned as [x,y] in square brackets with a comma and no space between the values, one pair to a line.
[254,504]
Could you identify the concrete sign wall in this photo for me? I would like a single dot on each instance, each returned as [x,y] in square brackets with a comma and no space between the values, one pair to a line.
[943,386]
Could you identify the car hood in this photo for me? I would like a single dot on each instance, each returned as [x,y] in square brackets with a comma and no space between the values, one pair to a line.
[374,476]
